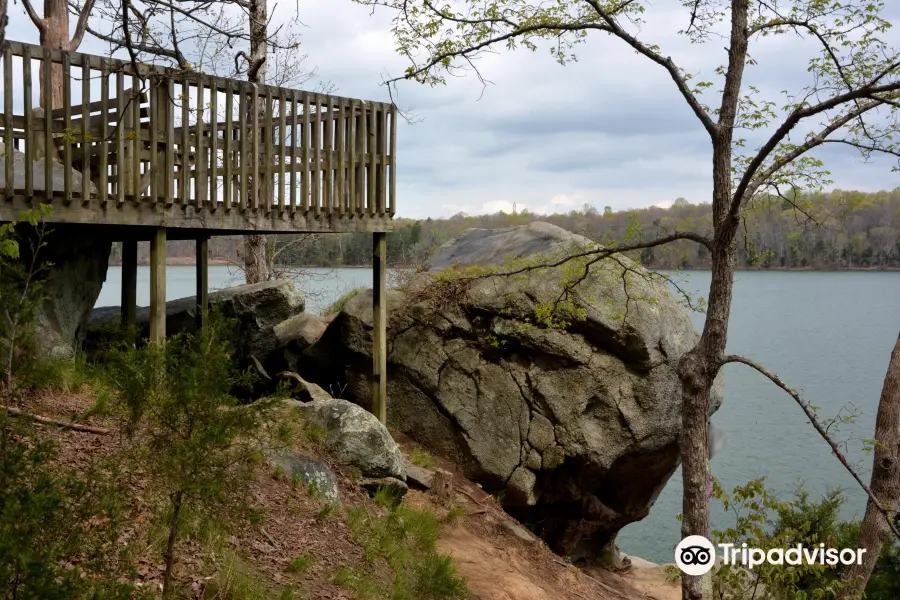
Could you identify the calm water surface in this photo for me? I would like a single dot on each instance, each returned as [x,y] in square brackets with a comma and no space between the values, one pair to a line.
[321,286]
[828,334]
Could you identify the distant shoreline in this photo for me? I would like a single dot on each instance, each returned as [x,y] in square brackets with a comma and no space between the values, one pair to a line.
[189,261]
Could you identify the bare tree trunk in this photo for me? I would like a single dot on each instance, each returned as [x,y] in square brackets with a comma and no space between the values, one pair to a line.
[4,19]
[170,547]
[697,371]
[256,263]
[885,485]
[55,36]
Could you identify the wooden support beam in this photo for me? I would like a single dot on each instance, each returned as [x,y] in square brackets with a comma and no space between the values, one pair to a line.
[158,286]
[129,289]
[379,331]
[202,281]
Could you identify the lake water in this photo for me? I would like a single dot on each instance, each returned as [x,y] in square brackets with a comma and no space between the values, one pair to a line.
[828,334]
[321,286]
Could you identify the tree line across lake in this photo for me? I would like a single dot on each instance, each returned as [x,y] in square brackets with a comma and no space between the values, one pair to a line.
[836,230]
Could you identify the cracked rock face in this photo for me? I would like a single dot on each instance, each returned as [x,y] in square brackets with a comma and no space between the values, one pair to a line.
[576,427]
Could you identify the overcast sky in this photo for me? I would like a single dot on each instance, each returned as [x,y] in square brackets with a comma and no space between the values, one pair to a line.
[610,130]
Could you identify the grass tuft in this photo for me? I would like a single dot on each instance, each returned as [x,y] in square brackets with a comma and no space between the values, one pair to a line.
[302,563]
[421,458]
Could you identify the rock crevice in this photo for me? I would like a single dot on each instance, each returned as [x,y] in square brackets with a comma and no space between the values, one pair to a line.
[575,427]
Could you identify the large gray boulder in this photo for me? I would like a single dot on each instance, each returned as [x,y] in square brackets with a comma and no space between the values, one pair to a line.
[575,425]
[76,265]
[257,307]
[355,437]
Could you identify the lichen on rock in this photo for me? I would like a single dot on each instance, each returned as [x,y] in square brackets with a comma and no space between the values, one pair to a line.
[555,388]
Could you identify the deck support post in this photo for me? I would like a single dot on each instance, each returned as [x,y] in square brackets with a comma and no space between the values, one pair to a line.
[379,330]
[202,281]
[129,289]
[158,286]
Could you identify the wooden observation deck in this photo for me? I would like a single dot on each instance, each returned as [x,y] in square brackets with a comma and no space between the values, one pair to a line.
[185,150]
[148,153]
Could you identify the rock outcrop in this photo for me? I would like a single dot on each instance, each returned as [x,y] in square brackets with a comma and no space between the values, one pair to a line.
[576,425]
[355,437]
[257,308]
[75,275]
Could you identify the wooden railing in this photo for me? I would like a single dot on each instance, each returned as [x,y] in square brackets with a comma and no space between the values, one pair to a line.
[146,135]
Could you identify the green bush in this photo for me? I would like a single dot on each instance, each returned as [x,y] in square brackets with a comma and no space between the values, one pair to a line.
[339,304]
[406,540]
[58,529]
[763,521]
[195,442]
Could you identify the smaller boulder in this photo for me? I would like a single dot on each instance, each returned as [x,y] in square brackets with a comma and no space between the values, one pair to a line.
[355,437]
[301,389]
[417,476]
[296,334]
[314,474]
[396,487]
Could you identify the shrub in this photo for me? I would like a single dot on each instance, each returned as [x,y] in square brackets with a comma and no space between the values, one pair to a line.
[763,521]
[58,529]
[196,443]
[406,540]
[339,304]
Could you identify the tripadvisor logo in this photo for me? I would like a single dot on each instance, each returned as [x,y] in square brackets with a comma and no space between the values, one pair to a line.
[696,555]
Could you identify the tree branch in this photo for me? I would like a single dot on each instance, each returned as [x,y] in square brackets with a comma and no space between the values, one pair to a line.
[38,22]
[81,26]
[810,414]
[750,175]
[602,252]
[666,62]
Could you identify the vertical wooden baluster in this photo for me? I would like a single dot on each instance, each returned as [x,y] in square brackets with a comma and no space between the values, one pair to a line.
[184,180]
[328,174]
[340,142]
[49,145]
[254,167]
[245,146]
[201,170]
[29,126]
[305,141]
[155,115]
[214,144]
[8,141]
[268,144]
[67,123]
[317,159]
[382,139]
[295,130]
[85,130]
[121,168]
[169,104]
[138,144]
[103,181]
[363,135]
[282,157]
[371,179]
[228,180]
[351,171]
[392,196]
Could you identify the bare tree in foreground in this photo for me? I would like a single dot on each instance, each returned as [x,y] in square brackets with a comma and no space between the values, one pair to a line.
[848,96]
[232,37]
[876,526]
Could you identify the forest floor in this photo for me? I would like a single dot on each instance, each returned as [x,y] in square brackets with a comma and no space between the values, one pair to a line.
[302,545]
